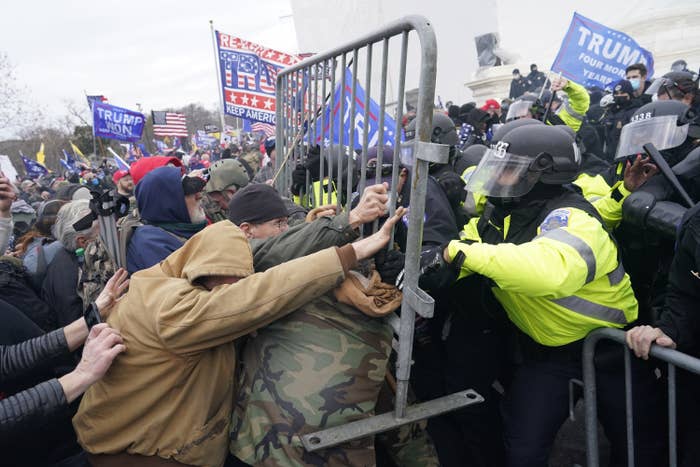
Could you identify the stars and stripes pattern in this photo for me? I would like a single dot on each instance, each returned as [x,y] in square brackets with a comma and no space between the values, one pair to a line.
[266,128]
[247,71]
[169,124]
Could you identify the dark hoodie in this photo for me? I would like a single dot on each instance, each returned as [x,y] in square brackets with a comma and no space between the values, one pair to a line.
[161,203]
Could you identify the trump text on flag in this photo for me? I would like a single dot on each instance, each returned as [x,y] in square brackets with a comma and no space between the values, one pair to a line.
[117,123]
[248,77]
[595,55]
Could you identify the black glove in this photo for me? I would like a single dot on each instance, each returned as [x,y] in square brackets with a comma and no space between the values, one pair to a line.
[453,186]
[313,162]
[298,178]
[389,264]
[435,272]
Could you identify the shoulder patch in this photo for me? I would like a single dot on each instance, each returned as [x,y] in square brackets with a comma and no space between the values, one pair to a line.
[555,219]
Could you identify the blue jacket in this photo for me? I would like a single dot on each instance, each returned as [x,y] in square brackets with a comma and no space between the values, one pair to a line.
[161,203]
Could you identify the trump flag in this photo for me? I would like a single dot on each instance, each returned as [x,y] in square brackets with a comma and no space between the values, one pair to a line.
[248,76]
[593,54]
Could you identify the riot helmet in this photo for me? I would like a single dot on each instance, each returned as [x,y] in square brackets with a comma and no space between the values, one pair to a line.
[443,132]
[507,127]
[470,157]
[674,85]
[671,126]
[524,157]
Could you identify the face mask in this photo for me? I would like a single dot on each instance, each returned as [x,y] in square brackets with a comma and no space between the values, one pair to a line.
[635,83]
[621,100]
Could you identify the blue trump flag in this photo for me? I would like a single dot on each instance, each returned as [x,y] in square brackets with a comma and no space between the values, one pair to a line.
[117,123]
[33,168]
[592,54]
[357,120]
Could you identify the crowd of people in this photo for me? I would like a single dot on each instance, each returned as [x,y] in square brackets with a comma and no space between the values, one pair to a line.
[242,319]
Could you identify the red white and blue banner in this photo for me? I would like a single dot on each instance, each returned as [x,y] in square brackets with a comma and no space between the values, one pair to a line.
[248,76]
[593,54]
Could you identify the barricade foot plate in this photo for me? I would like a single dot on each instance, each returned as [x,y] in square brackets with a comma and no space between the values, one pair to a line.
[387,421]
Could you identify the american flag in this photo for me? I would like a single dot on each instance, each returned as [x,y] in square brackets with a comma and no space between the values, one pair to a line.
[169,124]
[268,78]
[266,128]
[247,71]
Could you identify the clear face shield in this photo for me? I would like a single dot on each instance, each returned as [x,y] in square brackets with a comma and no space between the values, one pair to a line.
[519,109]
[663,132]
[501,174]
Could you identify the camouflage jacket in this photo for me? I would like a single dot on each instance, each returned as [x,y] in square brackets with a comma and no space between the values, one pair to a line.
[319,367]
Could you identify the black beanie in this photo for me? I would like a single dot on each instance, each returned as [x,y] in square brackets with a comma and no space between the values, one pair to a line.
[255,204]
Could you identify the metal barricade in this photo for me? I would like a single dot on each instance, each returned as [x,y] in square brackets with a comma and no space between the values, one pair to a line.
[313,100]
[673,359]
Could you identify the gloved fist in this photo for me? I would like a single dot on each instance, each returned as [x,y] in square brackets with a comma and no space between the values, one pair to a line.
[313,162]
[389,264]
[298,179]
[435,272]
[453,186]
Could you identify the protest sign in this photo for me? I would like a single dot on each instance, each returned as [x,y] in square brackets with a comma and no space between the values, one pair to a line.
[8,168]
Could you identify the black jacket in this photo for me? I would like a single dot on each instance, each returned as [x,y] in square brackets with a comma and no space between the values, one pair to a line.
[60,288]
[680,318]
[518,87]
[30,408]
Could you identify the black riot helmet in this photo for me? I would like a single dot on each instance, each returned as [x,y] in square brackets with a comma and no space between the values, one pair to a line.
[470,157]
[524,157]
[443,132]
[507,127]
[671,126]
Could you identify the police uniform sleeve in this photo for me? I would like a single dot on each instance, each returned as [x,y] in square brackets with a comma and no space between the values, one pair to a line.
[606,198]
[680,319]
[570,250]
[574,110]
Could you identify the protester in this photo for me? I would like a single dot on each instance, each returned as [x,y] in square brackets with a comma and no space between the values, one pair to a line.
[170,396]
[76,226]
[7,195]
[170,207]
[226,177]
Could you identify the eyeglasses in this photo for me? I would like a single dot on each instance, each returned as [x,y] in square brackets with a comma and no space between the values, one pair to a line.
[279,224]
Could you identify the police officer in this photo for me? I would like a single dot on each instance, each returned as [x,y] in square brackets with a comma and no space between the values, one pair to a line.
[678,327]
[618,115]
[553,268]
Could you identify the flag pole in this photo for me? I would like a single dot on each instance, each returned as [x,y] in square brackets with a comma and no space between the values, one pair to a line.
[218,80]
[92,114]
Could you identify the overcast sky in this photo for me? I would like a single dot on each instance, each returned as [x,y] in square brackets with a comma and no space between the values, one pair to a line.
[154,52]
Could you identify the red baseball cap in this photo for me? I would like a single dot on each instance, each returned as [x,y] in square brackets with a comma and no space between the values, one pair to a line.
[118,175]
[144,165]
[491,104]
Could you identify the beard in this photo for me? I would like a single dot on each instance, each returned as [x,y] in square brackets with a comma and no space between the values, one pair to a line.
[197,215]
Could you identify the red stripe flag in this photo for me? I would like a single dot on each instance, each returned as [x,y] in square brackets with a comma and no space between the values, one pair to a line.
[266,128]
[169,124]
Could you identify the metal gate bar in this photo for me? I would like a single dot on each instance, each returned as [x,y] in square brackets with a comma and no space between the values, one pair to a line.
[672,357]
[297,129]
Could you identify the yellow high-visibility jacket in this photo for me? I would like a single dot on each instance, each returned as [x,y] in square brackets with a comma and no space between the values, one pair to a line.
[607,199]
[564,283]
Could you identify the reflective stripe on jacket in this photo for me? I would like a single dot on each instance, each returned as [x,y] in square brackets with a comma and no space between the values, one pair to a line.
[559,286]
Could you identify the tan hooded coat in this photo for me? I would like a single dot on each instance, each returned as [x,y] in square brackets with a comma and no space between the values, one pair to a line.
[170,394]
